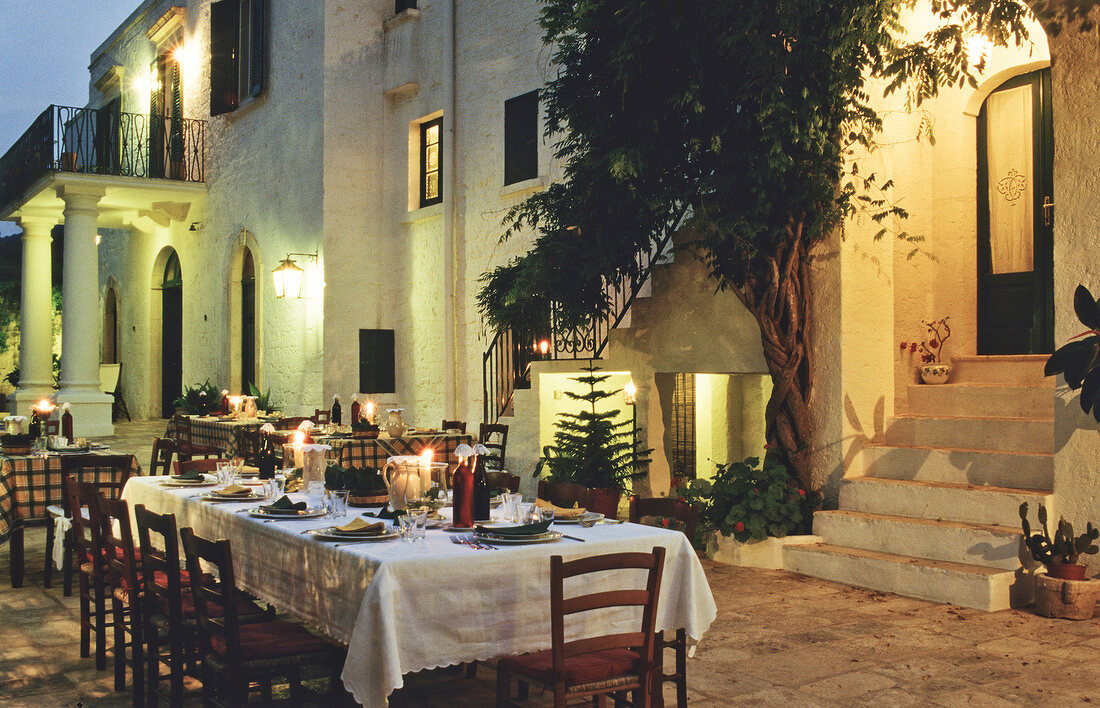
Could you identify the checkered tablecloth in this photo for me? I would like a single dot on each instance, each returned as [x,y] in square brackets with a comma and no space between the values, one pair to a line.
[222,434]
[29,484]
[361,452]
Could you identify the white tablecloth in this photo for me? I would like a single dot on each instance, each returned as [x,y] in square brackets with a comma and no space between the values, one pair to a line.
[404,607]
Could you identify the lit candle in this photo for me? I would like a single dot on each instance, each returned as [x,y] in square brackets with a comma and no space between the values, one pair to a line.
[299,445]
[425,471]
[235,402]
[370,412]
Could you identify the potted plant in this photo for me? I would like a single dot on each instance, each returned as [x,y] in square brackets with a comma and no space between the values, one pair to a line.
[199,399]
[1063,591]
[933,370]
[593,449]
[1077,361]
[364,484]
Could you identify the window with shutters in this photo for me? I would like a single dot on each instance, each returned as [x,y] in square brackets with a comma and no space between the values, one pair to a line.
[238,53]
[376,361]
[431,173]
[521,138]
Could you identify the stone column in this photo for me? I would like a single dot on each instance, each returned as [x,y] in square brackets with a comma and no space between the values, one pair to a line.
[36,316]
[80,325]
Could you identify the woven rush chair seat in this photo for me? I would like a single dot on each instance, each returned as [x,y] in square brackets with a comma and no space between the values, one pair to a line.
[594,665]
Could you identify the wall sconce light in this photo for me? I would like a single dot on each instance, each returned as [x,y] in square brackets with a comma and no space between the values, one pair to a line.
[288,276]
[630,393]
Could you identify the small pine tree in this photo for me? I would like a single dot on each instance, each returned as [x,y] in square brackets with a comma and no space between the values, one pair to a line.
[589,447]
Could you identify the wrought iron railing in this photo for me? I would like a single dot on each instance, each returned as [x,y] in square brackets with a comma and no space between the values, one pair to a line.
[506,364]
[106,142]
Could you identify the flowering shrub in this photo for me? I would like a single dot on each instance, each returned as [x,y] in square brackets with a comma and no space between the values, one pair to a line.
[750,501]
[930,349]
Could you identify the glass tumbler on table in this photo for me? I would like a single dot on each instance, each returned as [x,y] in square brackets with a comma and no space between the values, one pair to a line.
[340,503]
[315,494]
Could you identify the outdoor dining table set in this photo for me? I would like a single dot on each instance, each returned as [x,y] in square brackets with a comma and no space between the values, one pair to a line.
[449,598]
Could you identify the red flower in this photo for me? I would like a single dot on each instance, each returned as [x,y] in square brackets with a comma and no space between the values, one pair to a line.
[664,522]
[801,493]
[767,446]
[739,526]
[755,490]
[934,343]
[904,346]
[913,347]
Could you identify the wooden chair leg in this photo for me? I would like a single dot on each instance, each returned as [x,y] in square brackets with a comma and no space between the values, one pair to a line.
[15,559]
[152,666]
[208,687]
[47,579]
[100,609]
[85,617]
[681,669]
[524,691]
[120,644]
[471,670]
[67,565]
[137,657]
[504,686]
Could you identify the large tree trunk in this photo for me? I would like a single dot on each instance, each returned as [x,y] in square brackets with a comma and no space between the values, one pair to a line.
[779,300]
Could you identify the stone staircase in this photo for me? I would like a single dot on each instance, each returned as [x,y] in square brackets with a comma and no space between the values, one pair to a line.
[931,510]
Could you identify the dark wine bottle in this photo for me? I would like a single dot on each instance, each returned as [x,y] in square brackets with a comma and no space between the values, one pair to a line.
[481,490]
[67,425]
[354,410]
[35,427]
[462,486]
[336,414]
[265,458]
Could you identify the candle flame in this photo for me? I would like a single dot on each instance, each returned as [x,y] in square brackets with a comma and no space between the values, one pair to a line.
[426,456]
[299,438]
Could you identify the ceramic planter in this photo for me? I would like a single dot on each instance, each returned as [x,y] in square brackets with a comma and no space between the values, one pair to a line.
[935,373]
[1066,571]
[1068,599]
[604,501]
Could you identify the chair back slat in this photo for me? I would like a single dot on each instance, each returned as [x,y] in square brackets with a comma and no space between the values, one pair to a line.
[117,543]
[109,473]
[163,449]
[321,416]
[290,423]
[503,480]
[248,444]
[494,436]
[453,426]
[666,506]
[214,590]
[79,503]
[157,538]
[642,642]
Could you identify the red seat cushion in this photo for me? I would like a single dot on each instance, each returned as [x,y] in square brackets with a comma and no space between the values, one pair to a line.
[586,668]
[187,607]
[266,640]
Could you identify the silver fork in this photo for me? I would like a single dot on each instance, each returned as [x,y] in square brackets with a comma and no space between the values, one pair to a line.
[478,543]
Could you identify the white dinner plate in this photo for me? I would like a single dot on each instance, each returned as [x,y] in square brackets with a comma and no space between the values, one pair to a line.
[548,537]
[179,483]
[307,513]
[588,516]
[212,497]
[326,534]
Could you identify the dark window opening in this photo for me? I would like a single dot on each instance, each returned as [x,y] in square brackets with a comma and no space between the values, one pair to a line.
[521,138]
[238,44]
[431,172]
[248,321]
[683,426]
[400,5]
[376,361]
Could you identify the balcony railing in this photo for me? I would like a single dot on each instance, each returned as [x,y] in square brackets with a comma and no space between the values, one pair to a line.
[104,142]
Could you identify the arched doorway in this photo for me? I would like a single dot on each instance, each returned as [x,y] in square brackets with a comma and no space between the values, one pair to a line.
[1015,218]
[171,334]
[248,321]
[110,327]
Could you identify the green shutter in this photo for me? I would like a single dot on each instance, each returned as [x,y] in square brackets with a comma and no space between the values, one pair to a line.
[258,55]
[224,23]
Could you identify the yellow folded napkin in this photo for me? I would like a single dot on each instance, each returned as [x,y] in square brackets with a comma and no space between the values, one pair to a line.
[249,471]
[360,526]
[233,490]
[561,512]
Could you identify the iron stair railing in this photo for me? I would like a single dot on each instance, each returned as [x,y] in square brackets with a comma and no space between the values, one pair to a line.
[506,364]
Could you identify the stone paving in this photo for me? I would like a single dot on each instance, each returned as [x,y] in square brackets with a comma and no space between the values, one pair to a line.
[779,639]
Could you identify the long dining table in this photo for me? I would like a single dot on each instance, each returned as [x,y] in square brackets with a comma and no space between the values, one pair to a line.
[405,607]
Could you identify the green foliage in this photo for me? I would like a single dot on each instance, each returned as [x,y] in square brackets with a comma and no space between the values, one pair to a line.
[359,480]
[12,377]
[750,501]
[590,448]
[1064,547]
[263,400]
[1079,360]
[199,399]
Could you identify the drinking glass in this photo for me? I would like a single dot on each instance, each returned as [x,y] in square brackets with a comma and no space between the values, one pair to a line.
[340,503]
[238,466]
[546,514]
[407,525]
[315,494]
[418,519]
[511,506]
[525,513]
[279,484]
[226,475]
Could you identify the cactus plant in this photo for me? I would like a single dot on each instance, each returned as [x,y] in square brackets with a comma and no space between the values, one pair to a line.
[1063,548]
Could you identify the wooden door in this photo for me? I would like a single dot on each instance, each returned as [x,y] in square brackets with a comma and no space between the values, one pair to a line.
[1015,216]
[171,336]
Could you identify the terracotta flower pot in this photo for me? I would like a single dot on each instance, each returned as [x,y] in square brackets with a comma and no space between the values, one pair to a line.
[605,501]
[1066,571]
[1068,599]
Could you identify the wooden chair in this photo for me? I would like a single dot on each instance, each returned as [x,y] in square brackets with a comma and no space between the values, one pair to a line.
[208,465]
[689,516]
[51,427]
[186,448]
[594,666]
[170,628]
[127,587]
[248,445]
[110,379]
[321,416]
[453,426]
[163,449]
[92,575]
[290,423]
[563,494]
[503,480]
[235,654]
[107,471]
[494,436]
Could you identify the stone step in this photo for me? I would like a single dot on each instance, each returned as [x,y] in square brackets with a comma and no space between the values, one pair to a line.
[953,541]
[1016,470]
[961,584]
[939,500]
[964,400]
[1003,434]
[1015,369]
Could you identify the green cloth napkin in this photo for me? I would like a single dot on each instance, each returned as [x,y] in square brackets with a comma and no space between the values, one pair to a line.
[525,530]
[385,513]
[192,476]
[283,505]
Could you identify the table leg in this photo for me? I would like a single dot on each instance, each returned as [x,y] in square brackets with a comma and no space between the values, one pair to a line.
[15,546]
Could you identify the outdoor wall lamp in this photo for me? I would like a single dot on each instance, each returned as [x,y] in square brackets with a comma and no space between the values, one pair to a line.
[288,276]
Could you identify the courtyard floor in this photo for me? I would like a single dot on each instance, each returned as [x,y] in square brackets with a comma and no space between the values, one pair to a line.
[779,639]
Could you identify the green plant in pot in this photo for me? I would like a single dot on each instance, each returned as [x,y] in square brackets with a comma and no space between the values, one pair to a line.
[199,399]
[1061,552]
[593,448]
[752,501]
[364,484]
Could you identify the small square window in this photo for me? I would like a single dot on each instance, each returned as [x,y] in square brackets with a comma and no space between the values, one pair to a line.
[400,5]
[431,174]
[521,138]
